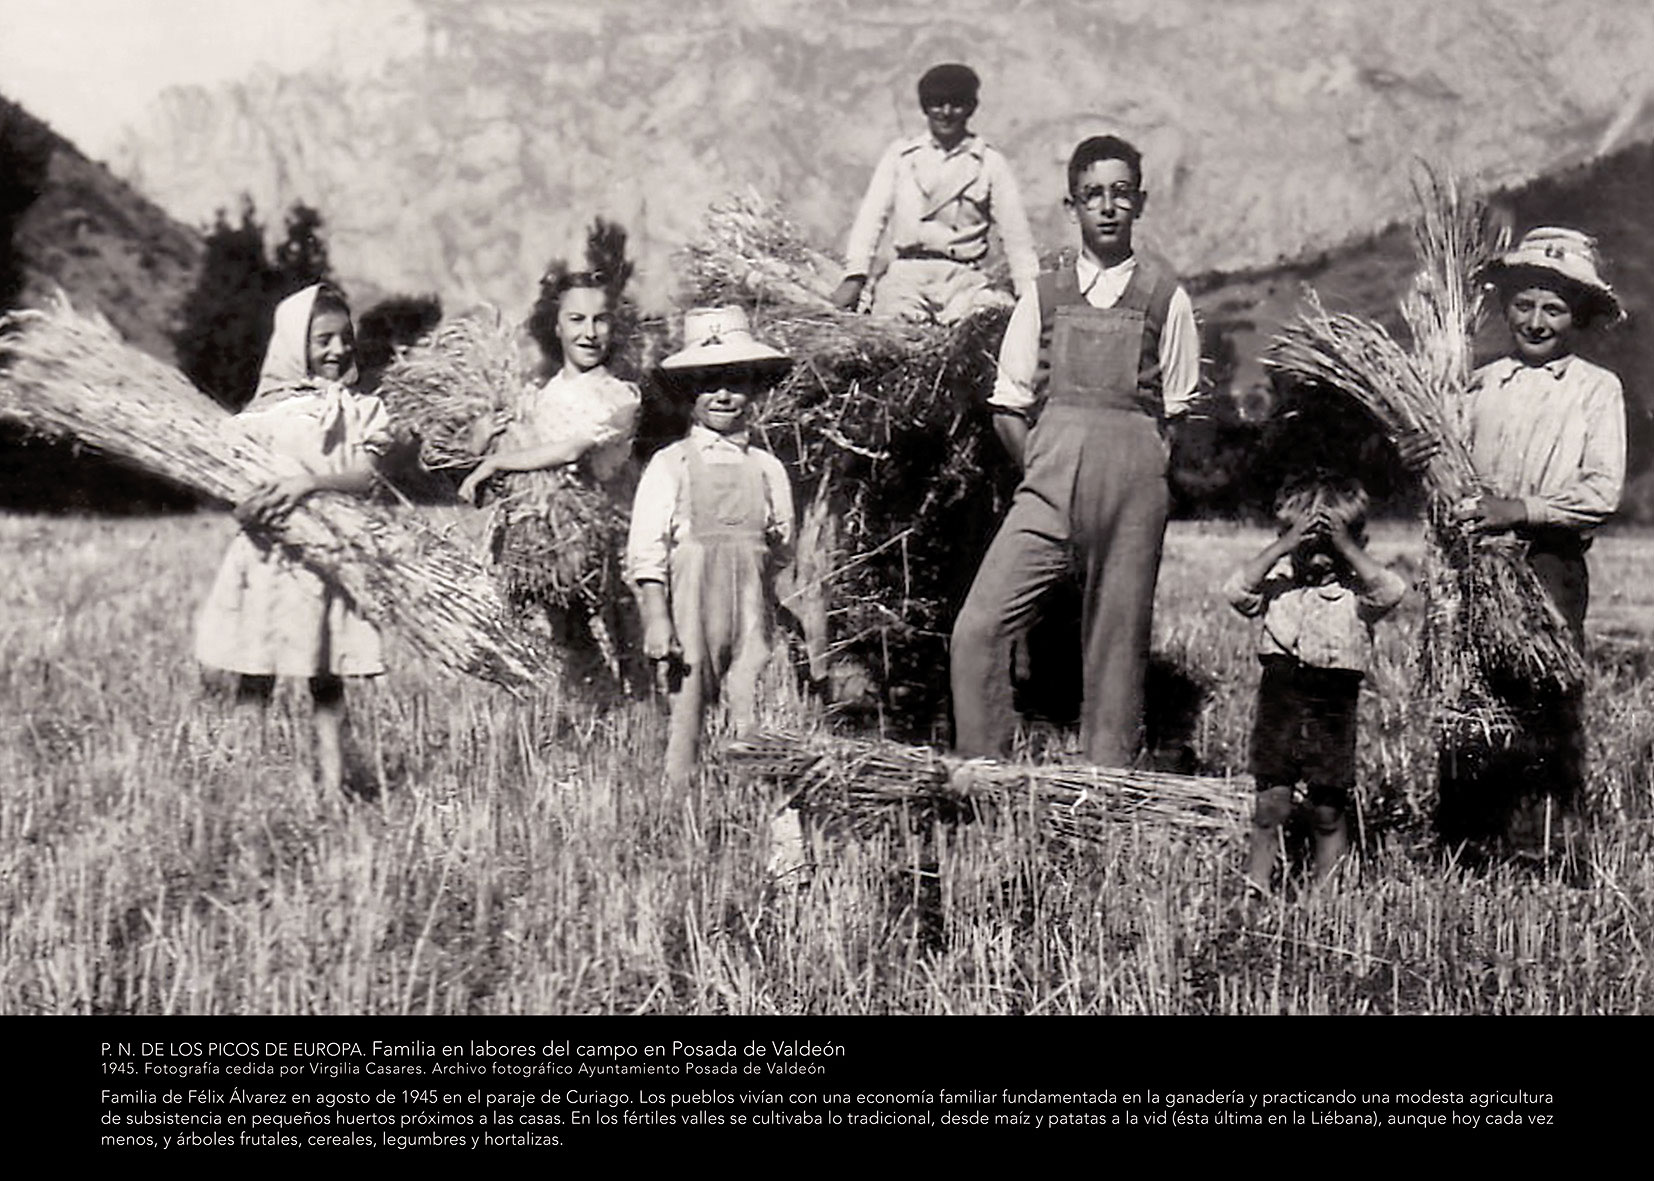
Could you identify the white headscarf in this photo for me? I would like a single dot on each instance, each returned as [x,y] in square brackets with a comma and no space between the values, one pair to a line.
[286,369]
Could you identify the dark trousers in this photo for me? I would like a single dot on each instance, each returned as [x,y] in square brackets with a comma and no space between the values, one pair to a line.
[1514,795]
[1095,487]
[1304,731]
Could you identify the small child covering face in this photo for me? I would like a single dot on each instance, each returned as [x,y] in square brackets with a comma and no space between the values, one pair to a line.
[1317,594]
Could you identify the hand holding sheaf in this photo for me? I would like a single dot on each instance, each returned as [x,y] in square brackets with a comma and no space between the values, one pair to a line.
[1491,514]
[269,504]
[1417,450]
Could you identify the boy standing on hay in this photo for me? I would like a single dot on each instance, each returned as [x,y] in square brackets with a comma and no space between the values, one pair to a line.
[940,192]
[1315,642]
[712,524]
[266,615]
[1106,351]
[1546,432]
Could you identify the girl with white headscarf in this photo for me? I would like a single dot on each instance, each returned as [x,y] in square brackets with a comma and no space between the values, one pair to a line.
[266,615]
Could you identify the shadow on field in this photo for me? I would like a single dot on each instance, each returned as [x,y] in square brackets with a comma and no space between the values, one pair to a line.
[1049,685]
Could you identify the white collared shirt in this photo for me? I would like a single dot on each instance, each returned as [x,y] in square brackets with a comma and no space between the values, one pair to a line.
[1552,435]
[660,511]
[944,200]
[1102,288]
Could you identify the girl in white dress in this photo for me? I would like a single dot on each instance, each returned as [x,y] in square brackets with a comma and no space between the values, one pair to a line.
[580,423]
[266,615]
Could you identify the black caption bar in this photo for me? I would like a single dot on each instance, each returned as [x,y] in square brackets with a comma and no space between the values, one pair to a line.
[581,1088]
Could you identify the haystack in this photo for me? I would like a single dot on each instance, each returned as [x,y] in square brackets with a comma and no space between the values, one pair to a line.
[68,376]
[880,428]
[1491,630]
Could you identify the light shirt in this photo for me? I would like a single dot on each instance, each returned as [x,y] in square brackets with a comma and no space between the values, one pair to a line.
[943,201]
[595,408]
[322,429]
[1102,288]
[1552,435]
[1328,626]
[660,512]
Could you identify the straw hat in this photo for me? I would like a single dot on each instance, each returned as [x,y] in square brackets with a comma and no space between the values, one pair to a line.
[1559,252]
[714,338]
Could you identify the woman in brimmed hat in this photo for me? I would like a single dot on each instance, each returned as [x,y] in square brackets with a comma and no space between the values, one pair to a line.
[1546,430]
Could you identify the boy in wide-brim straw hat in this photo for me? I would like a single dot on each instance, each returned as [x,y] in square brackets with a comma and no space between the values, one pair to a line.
[712,524]
[1546,430]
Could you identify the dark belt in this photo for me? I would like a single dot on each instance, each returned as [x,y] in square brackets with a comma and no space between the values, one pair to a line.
[916,252]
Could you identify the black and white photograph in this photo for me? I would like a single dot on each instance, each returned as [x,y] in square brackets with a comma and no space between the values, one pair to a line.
[823,509]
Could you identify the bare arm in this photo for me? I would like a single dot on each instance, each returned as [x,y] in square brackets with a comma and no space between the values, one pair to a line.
[269,504]
[1012,430]
[1362,564]
[530,459]
[1257,568]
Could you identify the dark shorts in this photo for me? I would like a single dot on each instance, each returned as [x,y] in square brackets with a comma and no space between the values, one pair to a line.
[1305,726]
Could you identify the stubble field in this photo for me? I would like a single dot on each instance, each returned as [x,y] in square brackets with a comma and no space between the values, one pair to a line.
[522,857]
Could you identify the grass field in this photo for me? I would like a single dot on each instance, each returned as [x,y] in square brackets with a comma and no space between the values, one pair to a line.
[522,857]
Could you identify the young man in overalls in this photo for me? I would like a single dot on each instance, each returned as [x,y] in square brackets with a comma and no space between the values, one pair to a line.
[1105,351]
[940,192]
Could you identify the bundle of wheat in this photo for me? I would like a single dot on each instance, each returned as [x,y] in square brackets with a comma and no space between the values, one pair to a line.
[465,371]
[555,539]
[65,375]
[868,783]
[749,252]
[1490,626]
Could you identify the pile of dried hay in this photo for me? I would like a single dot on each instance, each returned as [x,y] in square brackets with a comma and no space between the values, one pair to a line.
[468,369]
[880,423]
[67,376]
[1491,629]
[867,784]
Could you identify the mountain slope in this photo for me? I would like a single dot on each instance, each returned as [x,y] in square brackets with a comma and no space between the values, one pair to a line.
[104,244]
[1271,127]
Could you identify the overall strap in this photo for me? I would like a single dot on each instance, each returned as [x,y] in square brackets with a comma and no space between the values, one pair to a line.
[726,500]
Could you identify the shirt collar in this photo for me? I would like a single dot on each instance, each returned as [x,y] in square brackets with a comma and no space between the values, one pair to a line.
[706,440]
[1511,366]
[1088,272]
[973,145]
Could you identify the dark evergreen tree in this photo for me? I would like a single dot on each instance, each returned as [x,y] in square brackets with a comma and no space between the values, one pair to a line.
[301,259]
[394,323]
[226,319]
[25,154]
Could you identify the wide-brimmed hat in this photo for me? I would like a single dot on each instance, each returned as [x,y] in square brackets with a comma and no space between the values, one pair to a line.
[718,338]
[1558,252]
